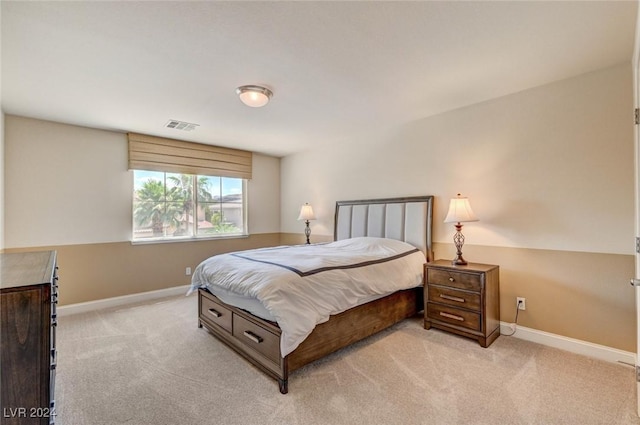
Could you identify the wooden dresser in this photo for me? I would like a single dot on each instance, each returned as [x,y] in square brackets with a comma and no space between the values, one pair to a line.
[28,298]
[464,300]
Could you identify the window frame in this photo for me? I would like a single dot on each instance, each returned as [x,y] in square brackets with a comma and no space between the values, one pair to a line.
[193,236]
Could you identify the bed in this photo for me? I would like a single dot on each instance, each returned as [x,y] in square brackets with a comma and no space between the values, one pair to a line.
[268,327]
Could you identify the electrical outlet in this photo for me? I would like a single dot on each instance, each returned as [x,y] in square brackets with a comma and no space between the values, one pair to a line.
[187,271]
[521,303]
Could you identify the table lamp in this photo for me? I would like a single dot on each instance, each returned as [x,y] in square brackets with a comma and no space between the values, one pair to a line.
[306,214]
[459,212]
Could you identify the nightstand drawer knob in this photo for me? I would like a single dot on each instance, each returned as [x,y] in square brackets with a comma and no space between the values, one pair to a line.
[451,316]
[450,298]
[451,279]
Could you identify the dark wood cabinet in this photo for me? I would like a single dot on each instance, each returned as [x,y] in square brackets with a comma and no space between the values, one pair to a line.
[464,300]
[28,299]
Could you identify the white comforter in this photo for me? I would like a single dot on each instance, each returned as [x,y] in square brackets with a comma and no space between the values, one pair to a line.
[301,286]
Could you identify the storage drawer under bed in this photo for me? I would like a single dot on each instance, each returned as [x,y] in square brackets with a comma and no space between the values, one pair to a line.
[216,313]
[256,337]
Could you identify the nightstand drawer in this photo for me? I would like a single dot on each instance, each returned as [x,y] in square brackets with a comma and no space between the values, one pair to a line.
[455,279]
[454,316]
[256,337]
[216,313]
[454,297]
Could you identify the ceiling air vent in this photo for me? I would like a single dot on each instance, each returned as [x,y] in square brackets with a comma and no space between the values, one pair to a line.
[181,125]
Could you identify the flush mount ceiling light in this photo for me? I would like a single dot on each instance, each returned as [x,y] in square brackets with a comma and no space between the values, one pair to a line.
[254,96]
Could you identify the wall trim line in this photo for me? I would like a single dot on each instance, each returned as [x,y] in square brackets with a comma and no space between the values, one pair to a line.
[577,346]
[67,310]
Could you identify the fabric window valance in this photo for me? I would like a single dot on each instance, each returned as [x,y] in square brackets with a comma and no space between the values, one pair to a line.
[176,156]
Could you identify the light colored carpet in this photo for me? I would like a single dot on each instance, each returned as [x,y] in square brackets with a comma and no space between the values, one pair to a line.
[151,364]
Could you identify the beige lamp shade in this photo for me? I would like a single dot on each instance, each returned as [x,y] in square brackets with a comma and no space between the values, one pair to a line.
[460,211]
[306,213]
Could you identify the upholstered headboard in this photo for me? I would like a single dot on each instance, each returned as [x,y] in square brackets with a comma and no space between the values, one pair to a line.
[406,219]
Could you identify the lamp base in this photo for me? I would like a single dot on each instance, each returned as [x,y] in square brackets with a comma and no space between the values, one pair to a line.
[459,261]
[458,241]
[307,232]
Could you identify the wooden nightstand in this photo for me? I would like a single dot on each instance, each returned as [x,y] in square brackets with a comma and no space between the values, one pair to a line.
[464,300]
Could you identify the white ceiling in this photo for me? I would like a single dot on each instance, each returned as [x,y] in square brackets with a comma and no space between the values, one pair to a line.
[336,68]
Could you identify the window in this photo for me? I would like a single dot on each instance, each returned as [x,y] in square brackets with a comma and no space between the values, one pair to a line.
[169,206]
[179,196]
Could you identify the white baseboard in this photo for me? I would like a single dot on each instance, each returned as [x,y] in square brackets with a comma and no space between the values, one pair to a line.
[577,346]
[67,310]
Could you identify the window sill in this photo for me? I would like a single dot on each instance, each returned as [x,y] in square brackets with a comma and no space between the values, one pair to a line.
[187,239]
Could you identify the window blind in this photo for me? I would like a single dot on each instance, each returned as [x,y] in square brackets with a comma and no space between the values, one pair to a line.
[176,156]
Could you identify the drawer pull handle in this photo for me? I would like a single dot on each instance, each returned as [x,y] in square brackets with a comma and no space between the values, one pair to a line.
[451,316]
[215,313]
[451,279]
[450,298]
[253,337]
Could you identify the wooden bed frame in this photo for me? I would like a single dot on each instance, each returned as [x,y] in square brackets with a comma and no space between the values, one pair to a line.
[258,340]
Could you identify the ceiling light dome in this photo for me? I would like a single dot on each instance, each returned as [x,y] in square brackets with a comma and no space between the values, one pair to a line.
[254,96]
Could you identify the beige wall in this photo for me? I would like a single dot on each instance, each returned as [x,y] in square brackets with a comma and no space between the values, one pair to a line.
[70,185]
[65,184]
[96,271]
[581,295]
[543,168]
[549,171]
[1,156]
[68,188]
[1,181]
